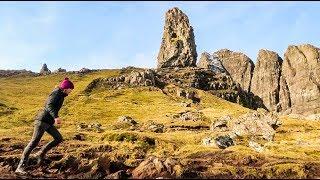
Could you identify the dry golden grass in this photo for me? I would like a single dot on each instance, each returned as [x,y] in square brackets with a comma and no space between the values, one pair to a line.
[297,140]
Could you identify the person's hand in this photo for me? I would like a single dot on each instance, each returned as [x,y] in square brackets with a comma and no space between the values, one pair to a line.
[57,121]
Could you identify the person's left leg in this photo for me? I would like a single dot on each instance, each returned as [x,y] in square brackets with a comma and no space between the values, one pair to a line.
[53,131]
[38,132]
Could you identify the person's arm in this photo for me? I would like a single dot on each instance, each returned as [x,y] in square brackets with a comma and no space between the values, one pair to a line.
[52,105]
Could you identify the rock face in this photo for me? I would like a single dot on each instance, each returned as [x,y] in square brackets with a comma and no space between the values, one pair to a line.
[44,70]
[239,66]
[219,84]
[266,78]
[300,81]
[212,62]
[178,48]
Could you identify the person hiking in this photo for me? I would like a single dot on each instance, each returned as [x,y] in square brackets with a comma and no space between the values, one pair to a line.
[45,123]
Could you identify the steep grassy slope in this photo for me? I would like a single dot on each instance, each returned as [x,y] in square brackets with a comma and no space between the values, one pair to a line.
[296,142]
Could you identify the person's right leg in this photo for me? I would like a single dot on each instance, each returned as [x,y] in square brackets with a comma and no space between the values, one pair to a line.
[53,131]
[37,135]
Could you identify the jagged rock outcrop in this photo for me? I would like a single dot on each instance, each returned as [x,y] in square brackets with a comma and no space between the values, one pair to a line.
[239,66]
[300,81]
[178,48]
[44,70]
[219,84]
[84,70]
[266,78]
[211,62]
[7,73]
[144,77]
[60,70]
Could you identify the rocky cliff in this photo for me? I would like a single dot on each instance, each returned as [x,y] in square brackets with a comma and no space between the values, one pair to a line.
[300,83]
[238,65]
[266,78]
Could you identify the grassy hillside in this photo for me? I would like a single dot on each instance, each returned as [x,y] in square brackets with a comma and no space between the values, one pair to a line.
[296,141]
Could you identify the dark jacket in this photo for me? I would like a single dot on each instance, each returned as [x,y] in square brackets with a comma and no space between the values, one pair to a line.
[52,106]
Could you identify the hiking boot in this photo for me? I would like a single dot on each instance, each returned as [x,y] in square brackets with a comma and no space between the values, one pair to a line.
[21,169]
[39,158]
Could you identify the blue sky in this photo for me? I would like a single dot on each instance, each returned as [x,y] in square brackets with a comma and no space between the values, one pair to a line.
[105,35]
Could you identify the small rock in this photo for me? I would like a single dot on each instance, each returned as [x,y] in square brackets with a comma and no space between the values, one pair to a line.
[184,104]
[82,126]
[224,141]
[257,147]
[90,127]
[221,124]
[208,141]
[79,137]
[157,128]
[127,119]
[188,115]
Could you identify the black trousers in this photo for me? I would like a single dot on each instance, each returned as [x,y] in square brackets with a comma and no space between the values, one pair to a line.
[39,129]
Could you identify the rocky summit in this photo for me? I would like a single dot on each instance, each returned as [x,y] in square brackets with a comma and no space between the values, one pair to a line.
[178,48]
[45,70]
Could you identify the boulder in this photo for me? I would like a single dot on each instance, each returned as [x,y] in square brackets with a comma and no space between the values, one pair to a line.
[266,79]
[178,48]
[300,86]
[256,124]
[153,168]
[224,141]
[211,62]
[238,65]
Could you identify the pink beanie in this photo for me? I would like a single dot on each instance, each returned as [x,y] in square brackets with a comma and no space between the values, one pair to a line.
[66,84]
